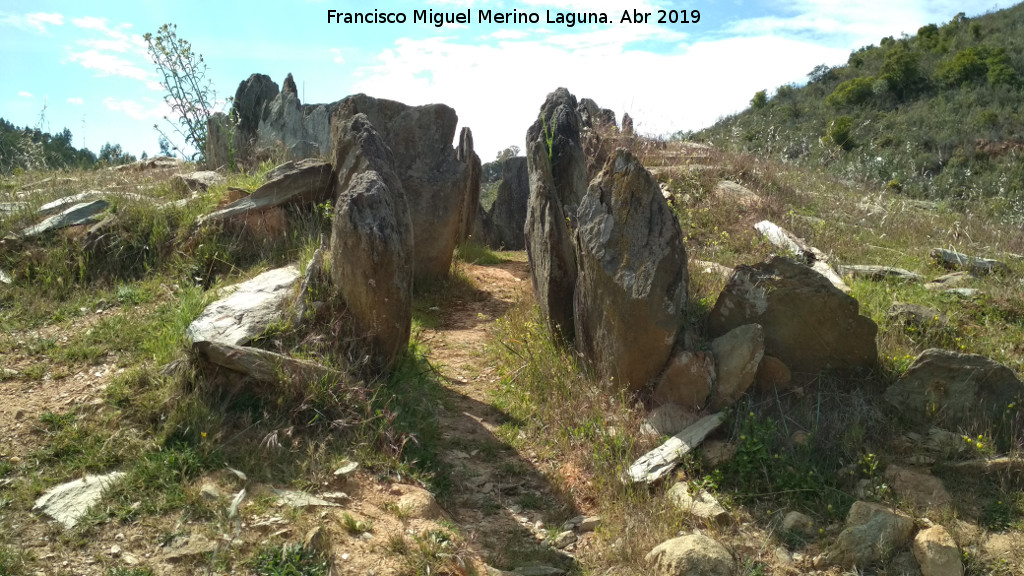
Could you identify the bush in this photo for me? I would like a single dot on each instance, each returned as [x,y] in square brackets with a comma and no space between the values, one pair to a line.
[839,133]
[965,67]
[852,92]
[760,99]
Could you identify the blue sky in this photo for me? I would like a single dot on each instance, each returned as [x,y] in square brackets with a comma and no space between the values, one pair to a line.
[86,62]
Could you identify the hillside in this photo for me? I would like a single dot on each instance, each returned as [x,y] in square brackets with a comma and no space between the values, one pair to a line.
[936,115]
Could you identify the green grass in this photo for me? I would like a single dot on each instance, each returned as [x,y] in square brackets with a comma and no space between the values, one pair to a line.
[473,252]
[288,560]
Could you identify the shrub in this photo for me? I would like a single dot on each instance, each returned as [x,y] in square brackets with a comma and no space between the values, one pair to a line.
[839,133]
[852,92]
[760,99]
[965,67]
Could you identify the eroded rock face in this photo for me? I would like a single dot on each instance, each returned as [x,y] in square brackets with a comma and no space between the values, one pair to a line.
[247,311]
[507,216]
[631,292]
[964,391]
[471,202]
[809,324]
[251,99]
[557,171]
[372,241]
[434,180]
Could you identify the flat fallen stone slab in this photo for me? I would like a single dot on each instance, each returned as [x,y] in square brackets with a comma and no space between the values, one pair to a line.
[12,207]
[197,181]
[954,260]
[305,181]
[68,502]
[875,272]
[62,204]
[263,365]
[83,213]
[247,311]
[657,463]
[803,251]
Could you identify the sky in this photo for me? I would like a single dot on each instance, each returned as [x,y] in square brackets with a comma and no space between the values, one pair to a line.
[84,65]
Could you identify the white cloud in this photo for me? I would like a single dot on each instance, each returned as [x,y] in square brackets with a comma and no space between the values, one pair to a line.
[90,23]
[148,109]
[508,34]
[337,57]
[109,65]
[25,94]
[36,21]
[76,101]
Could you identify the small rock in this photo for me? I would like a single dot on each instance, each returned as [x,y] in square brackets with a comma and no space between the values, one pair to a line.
[703,505]
[564,539]
[969,293]
[316,539]
[918,487]
[115,550]
[209,491]
[299,499]
[68,502]
[948,280]
[916,315]
[772,374]
[799,523]
[420,503]
[715,452]
[937,554]
[588,524]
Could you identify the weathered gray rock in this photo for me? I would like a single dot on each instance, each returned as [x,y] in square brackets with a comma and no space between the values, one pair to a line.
[371,264]
[873,532]
[264,365]
[507,216]
[687,380]
[7,208]
[557,170]
[627,124]
[218,153]
[875,272]
[247,311]
[802,251]
[691,555]
[962,391]
[312,277]
[937,553]
[737,354]
[593,116]
[949,280]
[631,292]
[303,182]
[76,215]
[809,324]
[954,260]
[62,204]
[712,268]
[70,501]
[471,202]
[435,182]
[702,505]
[797,522]
[196,181]
[304,131]
[917,316]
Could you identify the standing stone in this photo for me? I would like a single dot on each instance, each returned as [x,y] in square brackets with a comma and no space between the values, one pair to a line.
[557,169]
[627,124]
[435,182]
[218,142]
[289,88]
[631,292]
[955,390]
[372,240]
[507,217]
[471,202]
[809,324]
[251,99]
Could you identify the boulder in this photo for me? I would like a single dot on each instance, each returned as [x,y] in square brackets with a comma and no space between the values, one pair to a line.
[631,296]
[737,354]
[593,116]
[247,312]
[808,323]
[687,380]
[68,502]
[691,555]
[960,391]
[471,202]
[937,554]
[434,180]
[196,181]
[557,171]
[918,487]
[731,192]
[772,374]
[873,533]
[507,216]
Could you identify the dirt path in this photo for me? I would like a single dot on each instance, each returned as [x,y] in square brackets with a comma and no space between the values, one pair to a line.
[502,500]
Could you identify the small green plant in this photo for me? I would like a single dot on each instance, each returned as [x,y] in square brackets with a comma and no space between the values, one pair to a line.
[289,560]
[130,571]
[355,527]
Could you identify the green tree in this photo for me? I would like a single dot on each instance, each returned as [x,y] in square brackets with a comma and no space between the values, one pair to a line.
[852,92]
[760,99]
[189,94]
[113,155]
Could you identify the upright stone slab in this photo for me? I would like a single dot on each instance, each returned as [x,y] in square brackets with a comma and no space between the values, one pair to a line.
[631,291]
[251,100]
[557,171]
[434,180]
[507,216]
[372,241]
[471,202]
